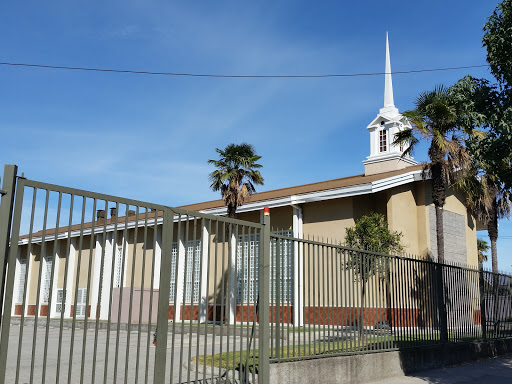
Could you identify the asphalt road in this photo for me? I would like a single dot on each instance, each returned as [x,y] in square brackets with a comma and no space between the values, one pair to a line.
[120,367]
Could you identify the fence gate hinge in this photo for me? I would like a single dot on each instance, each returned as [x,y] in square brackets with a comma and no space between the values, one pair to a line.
[2,192]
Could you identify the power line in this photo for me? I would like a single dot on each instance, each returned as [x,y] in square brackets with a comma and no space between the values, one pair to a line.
[230,76]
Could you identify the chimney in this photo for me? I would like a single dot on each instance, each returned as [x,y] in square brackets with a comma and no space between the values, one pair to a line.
[131,213]
[113,212]
[100,216]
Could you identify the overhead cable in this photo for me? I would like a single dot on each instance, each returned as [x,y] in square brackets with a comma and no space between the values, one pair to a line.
[231,76]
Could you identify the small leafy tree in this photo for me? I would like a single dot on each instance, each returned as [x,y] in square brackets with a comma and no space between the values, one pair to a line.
[371,233]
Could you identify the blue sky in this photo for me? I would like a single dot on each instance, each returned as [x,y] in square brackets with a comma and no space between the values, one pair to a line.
[149,137]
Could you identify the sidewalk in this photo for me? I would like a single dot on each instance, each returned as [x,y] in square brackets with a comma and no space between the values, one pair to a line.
[491,371]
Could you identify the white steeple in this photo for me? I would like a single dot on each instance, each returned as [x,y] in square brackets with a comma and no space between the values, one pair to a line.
[389,105]
[384,156]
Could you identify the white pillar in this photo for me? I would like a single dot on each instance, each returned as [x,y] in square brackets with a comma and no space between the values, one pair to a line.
[96,275]
[203,296]
[28,280]
[180,276]
[298,299]
[71,278]
[232,280]
[16,283]
[158,259]
[55,266]
[107,277]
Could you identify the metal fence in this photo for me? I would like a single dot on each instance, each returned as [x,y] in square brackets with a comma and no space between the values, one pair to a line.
[102,289]
[355,301]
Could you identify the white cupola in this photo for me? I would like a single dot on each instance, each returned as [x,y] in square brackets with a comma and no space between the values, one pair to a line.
[384,156]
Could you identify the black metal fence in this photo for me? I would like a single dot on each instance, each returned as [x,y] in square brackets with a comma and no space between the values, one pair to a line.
[329,300]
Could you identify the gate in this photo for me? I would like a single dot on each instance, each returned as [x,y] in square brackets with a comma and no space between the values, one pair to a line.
[103,289]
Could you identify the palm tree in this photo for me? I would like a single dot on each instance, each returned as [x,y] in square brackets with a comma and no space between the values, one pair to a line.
[436,120]
[488,203]
[482,246]
[235,175]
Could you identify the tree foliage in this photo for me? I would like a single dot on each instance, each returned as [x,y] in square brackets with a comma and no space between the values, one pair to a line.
[237,173]
[371,233]
[482,248]
[498,42]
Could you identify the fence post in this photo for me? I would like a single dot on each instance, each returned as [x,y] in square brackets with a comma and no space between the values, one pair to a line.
[441,303]
[7,202]
[483,315]
[264,301]
[162,323]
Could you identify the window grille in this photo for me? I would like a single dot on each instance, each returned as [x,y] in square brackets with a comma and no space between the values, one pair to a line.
[81,302]
[21,280]
[47,274]
[383,141]
[61,301]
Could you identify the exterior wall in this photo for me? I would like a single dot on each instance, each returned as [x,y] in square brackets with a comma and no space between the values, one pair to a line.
[384,166]
[403,216]
[328,219]
[406,208]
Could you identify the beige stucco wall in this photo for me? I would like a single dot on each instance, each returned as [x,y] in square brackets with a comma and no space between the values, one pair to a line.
[327,220]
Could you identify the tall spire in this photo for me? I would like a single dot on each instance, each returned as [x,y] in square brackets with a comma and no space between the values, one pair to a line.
[389,108]
[388,89]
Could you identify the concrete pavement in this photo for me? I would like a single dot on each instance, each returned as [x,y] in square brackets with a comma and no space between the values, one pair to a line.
[490,371]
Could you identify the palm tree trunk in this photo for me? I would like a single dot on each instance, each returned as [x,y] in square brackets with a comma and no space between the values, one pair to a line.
[492,230]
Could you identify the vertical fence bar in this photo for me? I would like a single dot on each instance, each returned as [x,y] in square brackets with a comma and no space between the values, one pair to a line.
[264,295]
[6,206]
[9,280]
[483,317]
[163,299]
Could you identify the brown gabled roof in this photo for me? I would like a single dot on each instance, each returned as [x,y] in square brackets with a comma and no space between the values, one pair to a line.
[261,196]
[308,188]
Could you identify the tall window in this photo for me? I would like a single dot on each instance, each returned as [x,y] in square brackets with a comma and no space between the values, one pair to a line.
[247,268]
[60,302]
[118,279]
[383,141]
[21,280]
[192,280]
[282,252]
[47,274]
[81,302]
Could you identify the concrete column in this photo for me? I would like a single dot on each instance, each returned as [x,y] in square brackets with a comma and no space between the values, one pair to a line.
[28,280]
[107,276]
[96,275]
[71,278]
[298,291]
[16,283]
[56,262]
[158,259]
[205,244]
[180,276]
[232,280]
